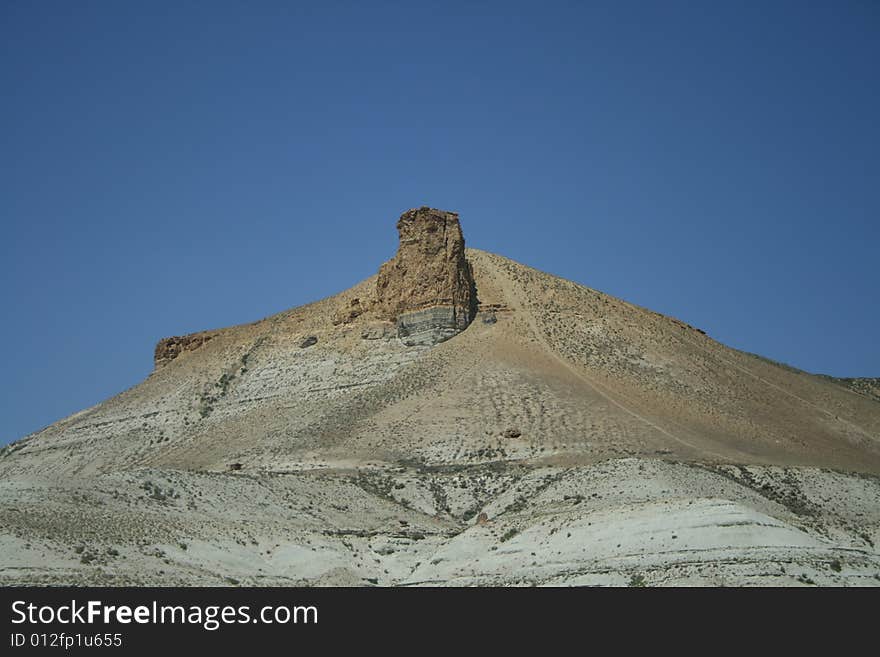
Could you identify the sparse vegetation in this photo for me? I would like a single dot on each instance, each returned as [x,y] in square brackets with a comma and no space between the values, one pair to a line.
[157,493]
[637,580]
[509,534]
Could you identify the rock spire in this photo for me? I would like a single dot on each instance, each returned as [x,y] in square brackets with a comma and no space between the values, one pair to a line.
[428,287]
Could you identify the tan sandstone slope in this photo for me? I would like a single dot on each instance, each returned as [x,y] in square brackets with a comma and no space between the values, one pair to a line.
[452,380]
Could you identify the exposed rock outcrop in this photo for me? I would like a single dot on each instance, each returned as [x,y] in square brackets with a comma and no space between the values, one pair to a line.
[168,349]
[379,331]
[349,312]
[428,287]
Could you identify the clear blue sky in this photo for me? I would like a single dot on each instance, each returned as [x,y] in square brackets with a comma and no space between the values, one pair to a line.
[175,166]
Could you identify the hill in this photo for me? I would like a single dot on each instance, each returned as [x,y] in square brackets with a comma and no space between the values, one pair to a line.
[459,418]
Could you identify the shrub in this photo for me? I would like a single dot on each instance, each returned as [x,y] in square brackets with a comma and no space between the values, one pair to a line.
[637,580]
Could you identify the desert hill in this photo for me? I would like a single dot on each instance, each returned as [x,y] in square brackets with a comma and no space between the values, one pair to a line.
[458,418]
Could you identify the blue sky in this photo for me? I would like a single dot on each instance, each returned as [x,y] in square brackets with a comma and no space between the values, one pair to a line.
[175,166]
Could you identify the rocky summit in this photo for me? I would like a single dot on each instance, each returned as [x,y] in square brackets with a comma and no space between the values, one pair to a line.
[457,419]
[428,287]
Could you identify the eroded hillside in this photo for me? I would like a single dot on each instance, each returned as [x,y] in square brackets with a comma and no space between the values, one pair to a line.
[558,435]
